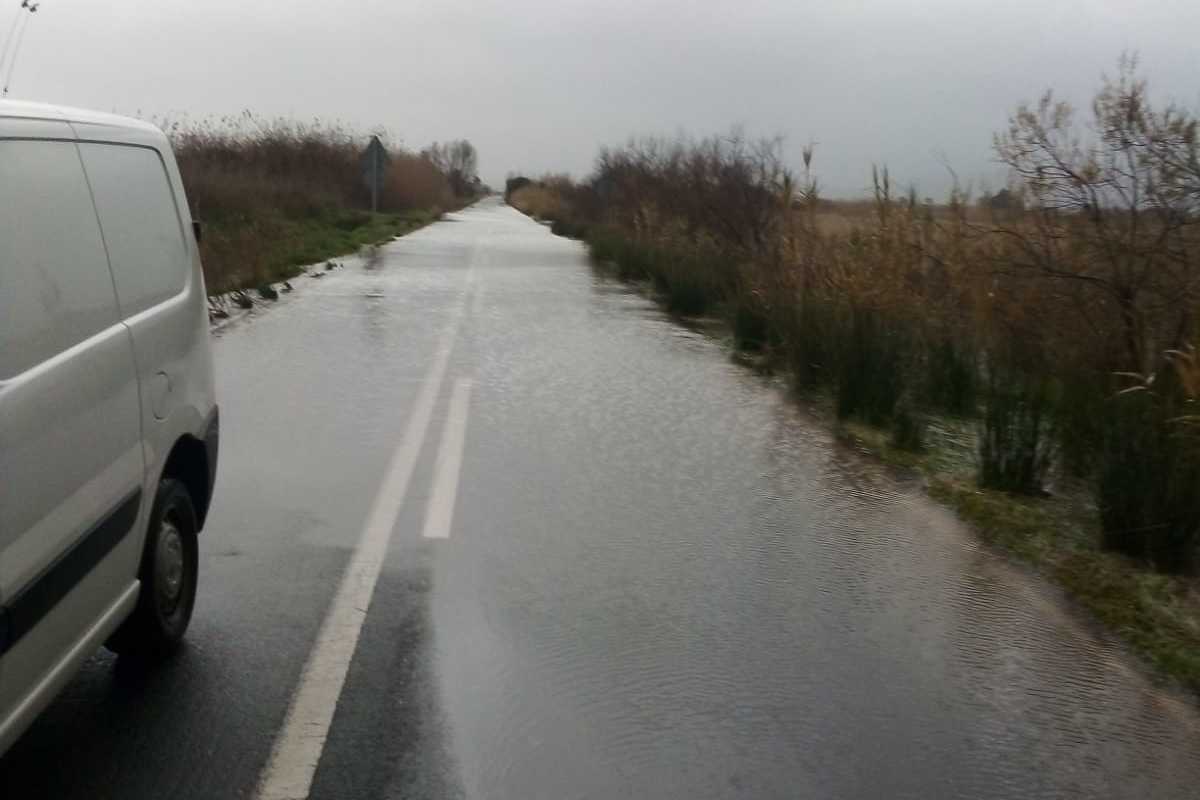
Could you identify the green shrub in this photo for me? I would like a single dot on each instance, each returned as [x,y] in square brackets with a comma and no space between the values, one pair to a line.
[751,326]
[1080,423]
[808,331]
[1148,481]
[952,378]
[1016,442]
[687,295]
[603,244]
[351,220]
[634,260]
[870,367]
[687,277]
[908,428]
[571,230]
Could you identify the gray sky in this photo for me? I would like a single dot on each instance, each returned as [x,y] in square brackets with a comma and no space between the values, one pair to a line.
[540,85]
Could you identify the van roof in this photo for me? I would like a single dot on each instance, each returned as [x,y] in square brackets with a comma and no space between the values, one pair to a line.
[26,110]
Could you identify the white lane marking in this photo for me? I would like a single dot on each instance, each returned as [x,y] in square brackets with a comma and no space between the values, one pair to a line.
[477,303]
[440,511]
[298,746]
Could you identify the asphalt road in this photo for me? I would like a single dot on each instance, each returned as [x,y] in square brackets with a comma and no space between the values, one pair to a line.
[492,526]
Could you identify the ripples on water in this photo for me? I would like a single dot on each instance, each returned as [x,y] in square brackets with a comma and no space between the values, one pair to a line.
[684,587]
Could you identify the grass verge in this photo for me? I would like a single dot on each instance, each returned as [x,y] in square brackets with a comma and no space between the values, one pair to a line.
[310,241]
[247,254]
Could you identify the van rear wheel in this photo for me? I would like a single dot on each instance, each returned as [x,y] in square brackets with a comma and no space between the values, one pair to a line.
[168,576]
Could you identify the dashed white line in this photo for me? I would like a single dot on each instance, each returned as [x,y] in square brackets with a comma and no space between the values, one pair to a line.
[298,746]
[439,514]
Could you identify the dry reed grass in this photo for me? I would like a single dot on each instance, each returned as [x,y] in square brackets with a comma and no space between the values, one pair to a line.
[275,194]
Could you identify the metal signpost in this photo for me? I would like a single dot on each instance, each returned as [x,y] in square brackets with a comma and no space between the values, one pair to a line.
[375,161]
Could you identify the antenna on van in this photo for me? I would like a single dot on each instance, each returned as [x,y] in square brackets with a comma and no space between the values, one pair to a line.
[11,30]
[18,28]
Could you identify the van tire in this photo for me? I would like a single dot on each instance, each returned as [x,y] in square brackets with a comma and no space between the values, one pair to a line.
[168,571]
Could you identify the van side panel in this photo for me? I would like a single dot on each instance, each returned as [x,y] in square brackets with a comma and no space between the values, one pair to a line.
[159,288]
[70,454]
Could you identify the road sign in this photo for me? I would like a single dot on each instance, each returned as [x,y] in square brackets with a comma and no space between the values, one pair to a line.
[374,163]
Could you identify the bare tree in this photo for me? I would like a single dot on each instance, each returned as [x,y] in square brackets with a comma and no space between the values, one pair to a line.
[458,161]
[1115,214]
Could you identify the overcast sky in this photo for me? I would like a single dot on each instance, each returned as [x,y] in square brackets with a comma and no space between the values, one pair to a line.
[540,85]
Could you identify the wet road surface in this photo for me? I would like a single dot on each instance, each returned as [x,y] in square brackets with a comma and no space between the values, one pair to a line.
[601,560]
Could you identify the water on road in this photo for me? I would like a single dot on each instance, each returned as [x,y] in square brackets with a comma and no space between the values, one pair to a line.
[614,564]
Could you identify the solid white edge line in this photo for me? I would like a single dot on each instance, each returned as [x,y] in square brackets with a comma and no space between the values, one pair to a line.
[439,513]
[300,742]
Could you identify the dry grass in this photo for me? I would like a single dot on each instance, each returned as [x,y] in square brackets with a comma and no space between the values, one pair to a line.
[415,182]
[843,217]
[539,201]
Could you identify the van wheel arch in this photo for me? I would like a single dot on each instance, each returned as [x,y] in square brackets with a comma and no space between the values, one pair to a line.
[188,464]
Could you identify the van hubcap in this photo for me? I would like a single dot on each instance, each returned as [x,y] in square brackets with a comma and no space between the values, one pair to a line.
[169,567]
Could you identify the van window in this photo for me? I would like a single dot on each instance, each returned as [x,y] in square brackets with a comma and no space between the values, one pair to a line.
[55,287]
[141,225]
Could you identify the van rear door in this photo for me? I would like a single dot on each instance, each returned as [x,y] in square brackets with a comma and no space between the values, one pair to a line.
[148,251]
[71,463]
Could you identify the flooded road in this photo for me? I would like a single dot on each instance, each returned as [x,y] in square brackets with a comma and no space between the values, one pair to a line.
[582,555]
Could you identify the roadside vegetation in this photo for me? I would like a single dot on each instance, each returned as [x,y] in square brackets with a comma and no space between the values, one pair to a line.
[276,195]
[1031,352]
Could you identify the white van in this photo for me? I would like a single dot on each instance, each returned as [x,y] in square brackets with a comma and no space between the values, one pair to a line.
[108,420]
